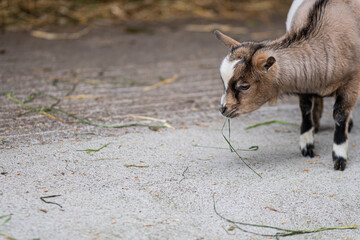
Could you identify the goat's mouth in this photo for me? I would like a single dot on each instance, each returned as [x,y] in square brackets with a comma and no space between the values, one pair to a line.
[231,114]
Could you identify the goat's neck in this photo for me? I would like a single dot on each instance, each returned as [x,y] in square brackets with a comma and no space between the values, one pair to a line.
[301,68]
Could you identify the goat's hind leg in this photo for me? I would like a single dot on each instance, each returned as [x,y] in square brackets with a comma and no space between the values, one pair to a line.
[317,112]
[307,128]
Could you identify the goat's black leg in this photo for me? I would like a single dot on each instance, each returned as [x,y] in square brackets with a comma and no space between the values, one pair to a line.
[342,126]
[306,129]
[317,112]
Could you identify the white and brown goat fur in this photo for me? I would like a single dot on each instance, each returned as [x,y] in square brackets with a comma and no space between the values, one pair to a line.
[318,57]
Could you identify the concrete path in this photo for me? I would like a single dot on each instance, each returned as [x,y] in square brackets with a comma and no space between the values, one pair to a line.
[156,183]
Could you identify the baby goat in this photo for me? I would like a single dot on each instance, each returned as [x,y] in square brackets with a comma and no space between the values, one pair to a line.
[318,57]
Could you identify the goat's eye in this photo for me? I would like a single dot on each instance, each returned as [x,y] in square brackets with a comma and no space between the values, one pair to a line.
[240,87]
[244,87]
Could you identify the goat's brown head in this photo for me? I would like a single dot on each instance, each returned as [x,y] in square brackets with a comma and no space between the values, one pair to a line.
[248,74]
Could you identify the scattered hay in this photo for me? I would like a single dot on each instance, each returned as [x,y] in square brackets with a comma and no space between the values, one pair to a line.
[126,82]
[270,122]
[44,110]
[60,36]
[183,174]
[162,83]
[250,149]
[164,121]
[48,202]
[275,210]
[94,150]
[6,218]
[25,14]
[136,166]
[284,232]
[212,27]
[82,96]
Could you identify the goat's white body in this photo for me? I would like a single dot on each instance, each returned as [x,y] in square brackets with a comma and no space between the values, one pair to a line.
[294,7]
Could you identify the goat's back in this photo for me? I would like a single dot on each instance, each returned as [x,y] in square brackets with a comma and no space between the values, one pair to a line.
[338,14]
[335,26]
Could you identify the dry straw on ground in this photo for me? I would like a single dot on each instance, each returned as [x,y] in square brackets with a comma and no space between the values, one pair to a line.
[279,232]
[30,14]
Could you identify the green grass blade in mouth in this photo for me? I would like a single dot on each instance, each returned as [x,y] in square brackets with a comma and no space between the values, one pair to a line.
[232,149]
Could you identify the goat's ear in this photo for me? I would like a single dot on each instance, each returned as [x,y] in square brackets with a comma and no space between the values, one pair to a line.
[263,62]
[269,62]
[228,41]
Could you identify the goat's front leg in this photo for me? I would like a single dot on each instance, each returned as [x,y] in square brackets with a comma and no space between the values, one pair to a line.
[306,129]
[343,122]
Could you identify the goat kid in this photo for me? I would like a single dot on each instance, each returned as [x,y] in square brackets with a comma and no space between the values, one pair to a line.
[318,57]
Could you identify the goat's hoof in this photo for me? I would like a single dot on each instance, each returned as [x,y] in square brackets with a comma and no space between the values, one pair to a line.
[308,150]
[339,163]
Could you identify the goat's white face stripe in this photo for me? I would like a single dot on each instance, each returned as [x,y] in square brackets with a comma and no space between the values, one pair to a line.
[223,99]
[227,72]
[341,150]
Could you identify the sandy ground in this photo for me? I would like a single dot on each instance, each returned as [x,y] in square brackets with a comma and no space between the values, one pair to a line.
[161,184]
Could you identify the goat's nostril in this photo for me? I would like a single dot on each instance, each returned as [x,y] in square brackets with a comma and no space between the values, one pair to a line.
[222,109]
